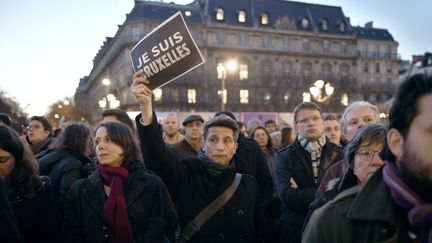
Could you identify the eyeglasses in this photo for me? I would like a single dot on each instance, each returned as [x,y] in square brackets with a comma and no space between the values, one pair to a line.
[305,120]
[34,127]
[367,155]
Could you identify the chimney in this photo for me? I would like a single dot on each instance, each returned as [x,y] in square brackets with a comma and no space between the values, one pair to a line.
[369,25]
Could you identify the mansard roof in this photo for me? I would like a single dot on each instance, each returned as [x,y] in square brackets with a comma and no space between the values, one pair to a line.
[372,33]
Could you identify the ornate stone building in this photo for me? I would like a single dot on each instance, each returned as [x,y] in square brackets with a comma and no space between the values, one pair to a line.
[280,47]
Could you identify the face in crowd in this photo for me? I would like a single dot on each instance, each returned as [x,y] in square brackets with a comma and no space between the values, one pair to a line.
[357,118]
[309,124]
[271,127]
[260,135]
[7,163]
[332,130]
[220,145]
[193,130]
[108,152]
[414,150]
[367,160]
[36,132]
[170,125]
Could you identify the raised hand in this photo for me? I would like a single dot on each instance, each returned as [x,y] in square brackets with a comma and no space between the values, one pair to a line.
[143,95]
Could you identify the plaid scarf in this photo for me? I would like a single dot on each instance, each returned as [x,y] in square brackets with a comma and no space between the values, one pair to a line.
[419,210]
[314,149]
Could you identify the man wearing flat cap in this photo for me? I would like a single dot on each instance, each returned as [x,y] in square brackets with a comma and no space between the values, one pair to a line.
[192,142]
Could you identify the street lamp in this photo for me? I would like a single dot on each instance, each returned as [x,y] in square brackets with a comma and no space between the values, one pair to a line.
[321,91]
[222,69]
[109,100]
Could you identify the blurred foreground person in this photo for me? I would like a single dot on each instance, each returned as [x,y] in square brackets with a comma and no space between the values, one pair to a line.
[196,182]
[120,202]
[29,195]
[395,204]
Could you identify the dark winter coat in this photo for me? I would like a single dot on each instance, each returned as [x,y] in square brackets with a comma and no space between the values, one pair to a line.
[333,172]
[37,217]
[295,162]
[360,214]
[194,188]
[8,223]
[144,195]
[183,150]
[63,167]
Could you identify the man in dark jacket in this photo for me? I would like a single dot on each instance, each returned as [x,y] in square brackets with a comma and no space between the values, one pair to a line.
[196,182]
[395,204]
[192,142]
[300,167]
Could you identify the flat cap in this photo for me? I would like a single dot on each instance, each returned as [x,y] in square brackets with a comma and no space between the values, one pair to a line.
[192,118]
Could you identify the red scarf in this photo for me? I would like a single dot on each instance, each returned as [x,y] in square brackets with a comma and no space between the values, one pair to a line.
[115,211]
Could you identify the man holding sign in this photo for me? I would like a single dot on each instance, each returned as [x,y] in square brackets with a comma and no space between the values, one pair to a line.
[166,53]
[196,182]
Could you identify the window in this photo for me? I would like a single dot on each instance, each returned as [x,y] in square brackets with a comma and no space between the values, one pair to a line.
[286,43]
[324,25]
[377,67]
[135,33]
[306,97]
[157,94]
[242,16]
[376,51]
[304,22]
[220,14]
[344,48]
[326,46]
[364,49]
[342,27]
[175,95]
[366,67]
[267,96]
[221,38]
[191,94]
[244,96]
[265,19]
[188,13]
[244,72]
[306,45]
[266,42]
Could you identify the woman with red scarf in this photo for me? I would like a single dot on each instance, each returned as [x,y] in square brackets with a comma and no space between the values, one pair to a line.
[120,202]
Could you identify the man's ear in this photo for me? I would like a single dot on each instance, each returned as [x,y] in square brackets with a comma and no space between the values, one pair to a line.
[395,142]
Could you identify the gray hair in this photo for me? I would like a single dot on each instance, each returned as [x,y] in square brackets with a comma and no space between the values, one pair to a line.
[343,120]
[222,120]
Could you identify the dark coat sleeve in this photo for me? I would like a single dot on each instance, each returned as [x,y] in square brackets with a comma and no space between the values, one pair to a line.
[295,199]
[70,173]
[8,222]
[157,156]
[72,224]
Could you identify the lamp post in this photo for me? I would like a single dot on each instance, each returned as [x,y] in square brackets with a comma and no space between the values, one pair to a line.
[222,69]
[321,91]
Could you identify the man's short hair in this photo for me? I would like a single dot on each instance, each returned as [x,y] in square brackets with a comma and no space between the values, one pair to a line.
[329,117]
[269,121]
[121,116]
[343,120]
[404,108]
[371,134]
[222,120]
[5,119]
[306,106]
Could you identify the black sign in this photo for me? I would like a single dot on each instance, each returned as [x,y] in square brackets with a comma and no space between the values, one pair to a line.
[166,53]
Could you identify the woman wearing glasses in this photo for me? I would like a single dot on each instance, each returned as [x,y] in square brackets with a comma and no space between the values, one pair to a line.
[362,154]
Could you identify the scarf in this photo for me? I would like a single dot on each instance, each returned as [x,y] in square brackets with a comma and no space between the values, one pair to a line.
[314,149]
[419,210]
[37,148]
[212,167]
[114,211]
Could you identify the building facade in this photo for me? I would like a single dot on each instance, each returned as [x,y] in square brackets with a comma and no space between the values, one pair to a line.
[280,48]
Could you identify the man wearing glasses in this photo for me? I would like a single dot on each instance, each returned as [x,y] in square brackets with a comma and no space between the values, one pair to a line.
[300,167]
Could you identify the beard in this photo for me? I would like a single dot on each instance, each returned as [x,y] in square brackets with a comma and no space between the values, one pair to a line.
[414,174]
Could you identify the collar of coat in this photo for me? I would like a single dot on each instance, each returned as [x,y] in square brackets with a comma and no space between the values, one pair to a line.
[372,201]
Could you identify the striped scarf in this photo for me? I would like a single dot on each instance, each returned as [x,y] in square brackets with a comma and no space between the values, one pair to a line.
[314,149]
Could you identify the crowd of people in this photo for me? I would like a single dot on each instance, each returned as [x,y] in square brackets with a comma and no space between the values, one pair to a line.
[346,177]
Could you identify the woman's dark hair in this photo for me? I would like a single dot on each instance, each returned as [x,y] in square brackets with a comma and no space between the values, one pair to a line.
[123,136]
[121,115]
[286,137]
[404,108]
[269,144]
[370,134]
[24,176]
[45,123]
[76,137]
